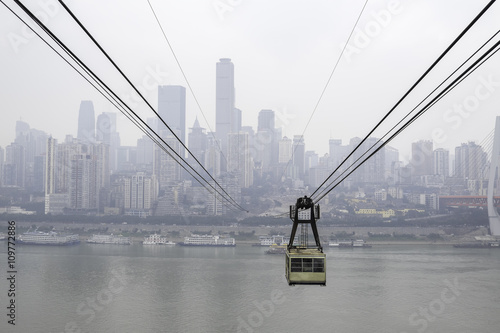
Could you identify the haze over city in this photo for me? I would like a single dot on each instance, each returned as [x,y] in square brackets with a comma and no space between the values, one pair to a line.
[282,62]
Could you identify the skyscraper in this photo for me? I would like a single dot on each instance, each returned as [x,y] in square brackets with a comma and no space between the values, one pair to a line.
[224,101]
[266,120]
[86,122]
[51,166]
[172,109]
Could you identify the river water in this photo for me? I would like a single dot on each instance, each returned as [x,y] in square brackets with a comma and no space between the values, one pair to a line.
[113,288]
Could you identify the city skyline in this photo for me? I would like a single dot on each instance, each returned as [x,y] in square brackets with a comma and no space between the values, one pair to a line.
[103,136]
[265,81]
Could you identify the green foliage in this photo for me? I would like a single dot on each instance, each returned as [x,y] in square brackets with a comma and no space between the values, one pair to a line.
[379,236]
[434,237]
[342,235]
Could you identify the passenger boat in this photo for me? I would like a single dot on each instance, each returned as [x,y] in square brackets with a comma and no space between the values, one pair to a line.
[339,243]
[156,239]
[353,243]
[207,240]
[478,245]
[47,238]
[109,239]
[277,249]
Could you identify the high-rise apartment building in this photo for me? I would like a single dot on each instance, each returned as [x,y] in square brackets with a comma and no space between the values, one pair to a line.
[442,162]
[470,161]
[83,191]
[285,150]
[140,193]
[239,160]
[422,158]
[14,166]
[298,152]
[166,167]
[33,143]
[106,133]
[371,171]
[265,143]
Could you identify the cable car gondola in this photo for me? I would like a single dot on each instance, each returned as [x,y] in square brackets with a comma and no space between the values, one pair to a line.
[304,264]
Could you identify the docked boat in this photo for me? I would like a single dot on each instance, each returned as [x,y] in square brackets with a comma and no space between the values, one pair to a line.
[156,239]
[109,239]
[208,240]
[47,238]
[338,243]
[478,245]
[277,249]
[357,243]
[360,243]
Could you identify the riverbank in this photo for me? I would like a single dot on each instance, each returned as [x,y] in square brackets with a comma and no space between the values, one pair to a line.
[249,235]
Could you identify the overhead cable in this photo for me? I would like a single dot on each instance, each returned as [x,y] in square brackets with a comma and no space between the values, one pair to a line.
[487,55]
[455,41]
[109,91]
[326,85]
[145,100]
[325,188]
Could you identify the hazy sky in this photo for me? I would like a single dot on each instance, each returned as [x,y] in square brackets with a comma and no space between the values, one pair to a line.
[283,53]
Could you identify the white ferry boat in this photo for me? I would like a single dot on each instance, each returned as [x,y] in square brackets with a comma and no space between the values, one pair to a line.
[360,243]
[339,243]
[47,238]
[109,239]
[156,239]
[208,240]
[349,243]
[274,239]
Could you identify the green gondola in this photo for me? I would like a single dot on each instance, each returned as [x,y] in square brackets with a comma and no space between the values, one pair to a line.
[304,264]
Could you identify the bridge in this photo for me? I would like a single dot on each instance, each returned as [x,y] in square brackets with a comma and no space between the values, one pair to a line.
[466,201]
[493,215]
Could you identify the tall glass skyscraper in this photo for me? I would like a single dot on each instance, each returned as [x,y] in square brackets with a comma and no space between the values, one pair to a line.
[86,122]
[224,101]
